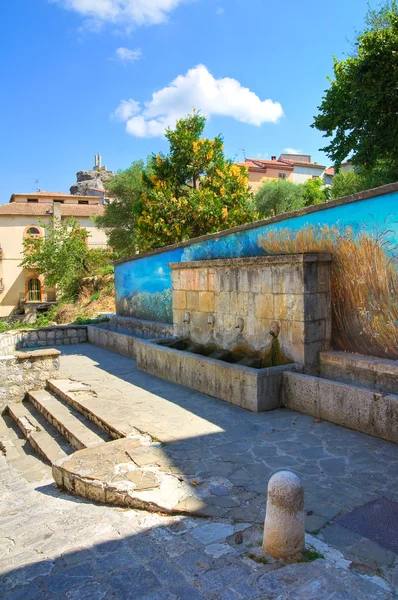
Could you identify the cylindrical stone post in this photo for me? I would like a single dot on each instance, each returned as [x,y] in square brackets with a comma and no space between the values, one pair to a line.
[284,519]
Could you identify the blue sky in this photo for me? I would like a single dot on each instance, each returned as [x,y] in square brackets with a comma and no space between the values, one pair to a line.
[68,65]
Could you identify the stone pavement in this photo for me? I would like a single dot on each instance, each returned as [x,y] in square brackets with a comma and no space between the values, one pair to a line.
[56,546]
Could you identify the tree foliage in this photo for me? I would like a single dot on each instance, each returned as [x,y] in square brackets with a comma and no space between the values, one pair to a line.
[120,217]
[193,190]
[359,179]
[62,256]
[359,109]
[314,192]
[276,197]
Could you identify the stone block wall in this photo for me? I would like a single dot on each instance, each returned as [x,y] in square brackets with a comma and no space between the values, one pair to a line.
[293,290]
[25,371]
[44,336]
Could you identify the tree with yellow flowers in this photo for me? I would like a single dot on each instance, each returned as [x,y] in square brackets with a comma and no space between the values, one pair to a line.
[191,191]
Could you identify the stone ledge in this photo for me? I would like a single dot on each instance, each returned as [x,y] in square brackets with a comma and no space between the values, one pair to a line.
[277,259]
[45,353]
[368,371]
[351,406]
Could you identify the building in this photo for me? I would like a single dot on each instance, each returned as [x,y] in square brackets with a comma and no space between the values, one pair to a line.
[260,170]
[297,168]
[330,172]
[303,167]
[24,215]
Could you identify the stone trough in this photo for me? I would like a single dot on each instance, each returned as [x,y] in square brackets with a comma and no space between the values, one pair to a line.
[257,390]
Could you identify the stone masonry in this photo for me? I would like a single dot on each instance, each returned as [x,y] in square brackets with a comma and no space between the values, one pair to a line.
[291,289]
[24,371]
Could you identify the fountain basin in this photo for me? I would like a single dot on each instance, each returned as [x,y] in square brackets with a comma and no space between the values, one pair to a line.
[255,389]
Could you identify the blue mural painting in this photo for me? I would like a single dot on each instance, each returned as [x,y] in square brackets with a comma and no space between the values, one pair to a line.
[143,285]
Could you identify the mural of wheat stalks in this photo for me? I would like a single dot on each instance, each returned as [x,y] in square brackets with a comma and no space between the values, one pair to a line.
[364,284]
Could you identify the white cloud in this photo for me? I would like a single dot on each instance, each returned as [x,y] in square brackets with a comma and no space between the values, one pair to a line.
[198,89]
[125,55]
[130,13]
[292,150]
[126,109]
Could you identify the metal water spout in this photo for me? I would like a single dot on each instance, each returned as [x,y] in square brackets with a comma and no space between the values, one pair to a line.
[240,324]
[187,317]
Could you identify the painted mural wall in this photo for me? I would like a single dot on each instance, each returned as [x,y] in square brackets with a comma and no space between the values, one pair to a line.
[362,235]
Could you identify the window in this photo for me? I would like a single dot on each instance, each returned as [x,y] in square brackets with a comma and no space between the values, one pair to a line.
[33,231]
[58,201]
[315,177]
[34,290]
[33,200]
[282,175]
[83,202]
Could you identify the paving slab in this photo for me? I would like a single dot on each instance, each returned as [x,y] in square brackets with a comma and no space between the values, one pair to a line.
[377,520]
[127,473]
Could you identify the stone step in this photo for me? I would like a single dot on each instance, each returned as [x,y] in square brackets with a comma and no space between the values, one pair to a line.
[70,424]
[84,400]
[43,438]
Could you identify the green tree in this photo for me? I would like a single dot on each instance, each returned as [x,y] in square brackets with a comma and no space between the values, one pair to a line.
[359,179]
[346,183]
[193,190]
[359,109]
[314,192]
[120,217]
[276,197]
[62,256]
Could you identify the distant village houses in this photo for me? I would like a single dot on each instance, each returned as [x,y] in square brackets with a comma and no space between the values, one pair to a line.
[297,168]
[23,290]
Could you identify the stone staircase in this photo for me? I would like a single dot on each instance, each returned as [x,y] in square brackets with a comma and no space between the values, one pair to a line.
[99,456]
[53,427]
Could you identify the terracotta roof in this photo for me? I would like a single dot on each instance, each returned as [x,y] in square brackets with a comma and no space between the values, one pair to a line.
[270,163]
[329,171]
[41,210]
[300,163]
[332,170]
[51,194]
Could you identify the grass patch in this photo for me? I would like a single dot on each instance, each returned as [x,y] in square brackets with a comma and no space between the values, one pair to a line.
[259,559]
[310,554]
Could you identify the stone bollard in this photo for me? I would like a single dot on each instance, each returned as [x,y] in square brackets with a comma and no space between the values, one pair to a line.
[284,519]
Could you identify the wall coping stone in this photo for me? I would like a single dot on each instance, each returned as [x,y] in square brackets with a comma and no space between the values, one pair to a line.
[372,363]
[365,195]
[42,353]
[305,257]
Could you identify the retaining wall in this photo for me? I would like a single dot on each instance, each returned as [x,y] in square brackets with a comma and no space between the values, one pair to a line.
[43,336]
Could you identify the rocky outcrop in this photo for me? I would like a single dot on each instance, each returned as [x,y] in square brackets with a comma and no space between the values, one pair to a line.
[86,180]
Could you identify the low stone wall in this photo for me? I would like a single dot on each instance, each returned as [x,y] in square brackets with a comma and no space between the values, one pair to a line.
[26,371]
[139,327]
[347,405]
[121,334]
[256,390]
[122,343]
[375,373]
[43,336]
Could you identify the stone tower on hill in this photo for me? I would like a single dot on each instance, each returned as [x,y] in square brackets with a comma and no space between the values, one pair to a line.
[91,182]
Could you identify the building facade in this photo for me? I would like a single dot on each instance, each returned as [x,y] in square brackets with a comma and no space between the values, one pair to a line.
[28,214]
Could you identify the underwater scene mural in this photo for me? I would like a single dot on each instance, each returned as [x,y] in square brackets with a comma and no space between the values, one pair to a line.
[361,234]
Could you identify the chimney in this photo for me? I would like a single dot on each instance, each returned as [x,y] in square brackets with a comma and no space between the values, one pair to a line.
[273,157]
